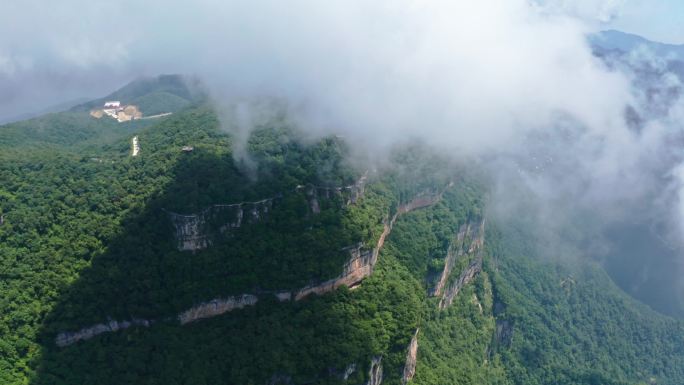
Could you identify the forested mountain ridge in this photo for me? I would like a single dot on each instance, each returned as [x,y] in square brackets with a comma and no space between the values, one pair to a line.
[154,95]
[77,130]
[452,297]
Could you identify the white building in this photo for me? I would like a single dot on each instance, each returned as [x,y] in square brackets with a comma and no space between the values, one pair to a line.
[112,104]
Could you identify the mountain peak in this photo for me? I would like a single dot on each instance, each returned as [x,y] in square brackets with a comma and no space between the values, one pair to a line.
[614,40]
[154,95]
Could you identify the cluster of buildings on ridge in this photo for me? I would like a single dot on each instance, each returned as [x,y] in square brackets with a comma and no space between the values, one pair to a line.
[115,110]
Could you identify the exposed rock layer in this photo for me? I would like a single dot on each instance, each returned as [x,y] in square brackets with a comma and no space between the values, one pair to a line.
[348,371]
[474,251]
[68,338]
[196,231]
[456,250]
[362,261]
[359,266]
[465,278]
[216,307]
[375,372]
[411,360]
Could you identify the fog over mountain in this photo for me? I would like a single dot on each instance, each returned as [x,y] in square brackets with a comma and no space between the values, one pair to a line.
[341,192]
[577,137]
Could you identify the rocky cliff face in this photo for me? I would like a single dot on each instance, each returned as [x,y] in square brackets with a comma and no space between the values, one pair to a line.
[68,338]
[456,250]
[204,310]
[474,253]
[411,360]
[375,372]
[216,307]
[351,193]
[348,371]
[465,278]
[188,231]
[359,266]
[196,231]
[362,261]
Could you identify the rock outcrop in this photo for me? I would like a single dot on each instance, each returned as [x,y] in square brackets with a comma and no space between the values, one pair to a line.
[343,375]
[351,193]
[216,307]
[196,231]
[358,267]
[476,302]
[375,371]
[189,231]
[204,310]
[355,270]
[284,296]
[362,261]
[465,278]
[456,250]
[68,338]
[348,371]
[474,252]
[135,145]
[411,360]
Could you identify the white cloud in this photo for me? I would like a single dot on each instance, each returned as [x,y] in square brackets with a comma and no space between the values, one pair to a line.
[7,66]
[589,10]
[475,77]
[510,79]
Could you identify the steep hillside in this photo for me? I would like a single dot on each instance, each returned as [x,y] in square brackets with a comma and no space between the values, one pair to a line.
[156,95]
[294,266]
[76,130]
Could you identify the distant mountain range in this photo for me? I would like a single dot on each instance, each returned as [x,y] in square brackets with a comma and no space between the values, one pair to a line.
[612,40]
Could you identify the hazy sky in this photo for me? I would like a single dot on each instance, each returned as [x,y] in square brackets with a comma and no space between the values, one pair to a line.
[76,48]
[472,77]
[659,20]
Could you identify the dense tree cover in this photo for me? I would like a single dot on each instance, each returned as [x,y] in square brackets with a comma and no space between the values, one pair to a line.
[312,341]
[64,131]
[77,131]
[573,325]
[160,103]
[428,234]
[455,343]
[568,323]
[85,238]
[63,200]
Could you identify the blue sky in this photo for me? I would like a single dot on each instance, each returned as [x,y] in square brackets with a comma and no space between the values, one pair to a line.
[660,20]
